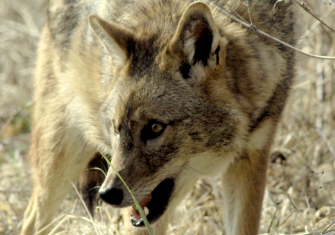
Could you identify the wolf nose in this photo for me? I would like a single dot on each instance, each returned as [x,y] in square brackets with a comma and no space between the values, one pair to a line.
[112,196]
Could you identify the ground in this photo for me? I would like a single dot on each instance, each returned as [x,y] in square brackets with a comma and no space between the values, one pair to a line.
[299,197]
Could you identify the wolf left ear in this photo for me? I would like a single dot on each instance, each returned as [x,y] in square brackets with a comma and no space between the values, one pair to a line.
[115,38]
[197,37]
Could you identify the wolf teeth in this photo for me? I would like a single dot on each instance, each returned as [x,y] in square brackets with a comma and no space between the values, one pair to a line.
[146,211]
[138,222]
[135,222]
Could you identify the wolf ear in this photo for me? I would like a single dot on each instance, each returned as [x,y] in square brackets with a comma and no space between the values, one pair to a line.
[197,36]
[115,38]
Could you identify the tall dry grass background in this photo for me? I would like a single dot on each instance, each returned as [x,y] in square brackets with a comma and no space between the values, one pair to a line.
[300,193]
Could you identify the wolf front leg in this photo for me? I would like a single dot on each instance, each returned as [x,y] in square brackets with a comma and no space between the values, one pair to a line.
[244,185]
[55,166]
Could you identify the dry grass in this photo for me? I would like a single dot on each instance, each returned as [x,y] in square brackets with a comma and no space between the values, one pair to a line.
[300,195]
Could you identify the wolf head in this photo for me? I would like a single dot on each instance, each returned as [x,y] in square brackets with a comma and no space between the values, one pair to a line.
[168,115]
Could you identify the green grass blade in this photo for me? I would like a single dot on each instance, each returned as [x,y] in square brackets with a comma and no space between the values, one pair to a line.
[138,207]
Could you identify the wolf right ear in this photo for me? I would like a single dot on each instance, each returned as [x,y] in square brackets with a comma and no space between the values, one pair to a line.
[115,38]
[197,37]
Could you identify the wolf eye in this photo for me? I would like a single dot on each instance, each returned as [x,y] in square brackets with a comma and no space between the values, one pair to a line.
[156,128]
[152,130]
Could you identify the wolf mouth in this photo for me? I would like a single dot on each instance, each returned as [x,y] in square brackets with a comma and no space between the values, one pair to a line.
[155,204]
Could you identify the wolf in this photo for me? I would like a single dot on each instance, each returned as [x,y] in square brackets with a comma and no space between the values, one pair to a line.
[169,91]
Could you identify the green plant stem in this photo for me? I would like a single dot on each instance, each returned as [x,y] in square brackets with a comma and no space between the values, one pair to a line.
[138,207]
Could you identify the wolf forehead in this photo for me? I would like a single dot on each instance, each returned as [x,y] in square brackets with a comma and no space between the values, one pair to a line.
[152,81]
[151,94]
[143,53]
[149,57]
[145,31]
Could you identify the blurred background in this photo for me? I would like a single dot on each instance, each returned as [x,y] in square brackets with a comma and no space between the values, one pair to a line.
[300,194]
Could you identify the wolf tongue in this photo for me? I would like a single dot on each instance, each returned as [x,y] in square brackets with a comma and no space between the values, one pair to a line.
[143,204]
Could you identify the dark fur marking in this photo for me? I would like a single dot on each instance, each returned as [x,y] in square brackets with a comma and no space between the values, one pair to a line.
[244,156]
[195,136]
[219,139]
[272,110]
[143,55]
[217,51]
[185,70]
[126,135]
[62,23]
[156,159]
